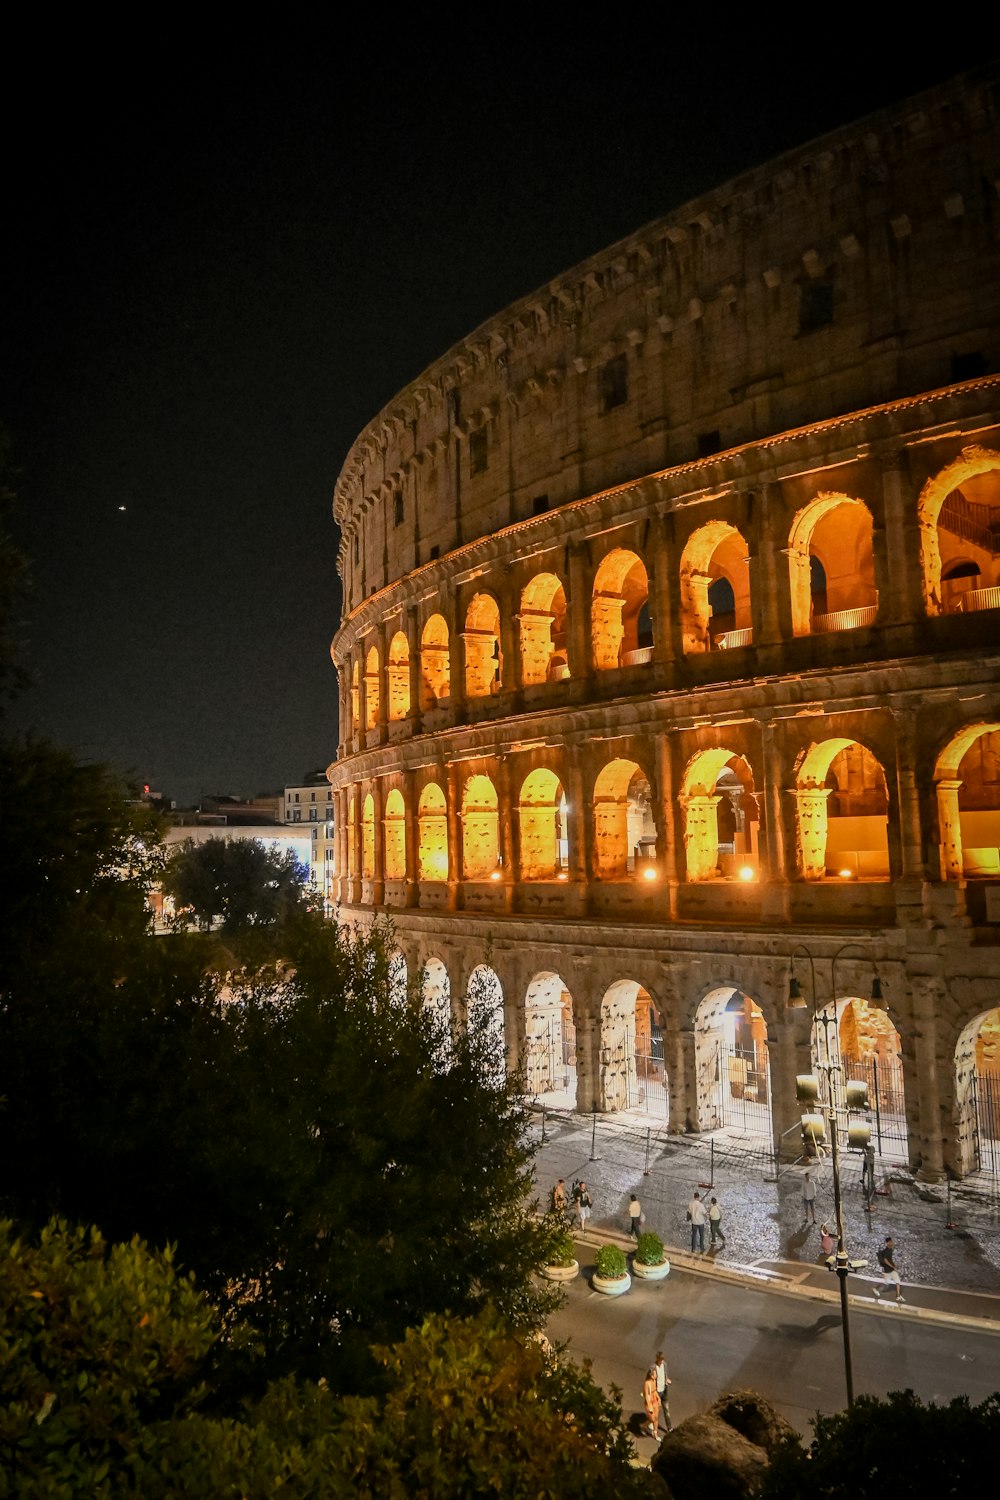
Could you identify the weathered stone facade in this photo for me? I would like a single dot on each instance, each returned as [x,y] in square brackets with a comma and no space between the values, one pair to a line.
[671,635]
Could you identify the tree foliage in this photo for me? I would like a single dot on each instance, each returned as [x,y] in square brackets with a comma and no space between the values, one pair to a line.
[236,882]
[103,1392]
[896,1446]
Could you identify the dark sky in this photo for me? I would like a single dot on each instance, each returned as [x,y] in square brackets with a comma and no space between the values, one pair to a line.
[217,270]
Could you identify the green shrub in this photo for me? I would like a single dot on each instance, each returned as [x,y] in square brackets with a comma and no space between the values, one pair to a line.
[563,1252]
[649,1250]
[610,1263]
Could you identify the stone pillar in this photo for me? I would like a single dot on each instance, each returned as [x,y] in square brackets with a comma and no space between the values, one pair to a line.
[509,842]
[413,654]
[357,839]
[811,828]
[456,664]
[343,710]
[679,1054]
[789,1045]
[911,834]
[410,815]
[510,652]
[764,589]
[902,561]
[775,895]
[950,829]
[660,592]
[578,639]
[378,883]
[383,684]
[701,835]
[342,846]
[587,1019]
[454,795]
[671,827]
[928,1085]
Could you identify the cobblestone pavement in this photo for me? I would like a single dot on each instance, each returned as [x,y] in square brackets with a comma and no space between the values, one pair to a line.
[946,1238]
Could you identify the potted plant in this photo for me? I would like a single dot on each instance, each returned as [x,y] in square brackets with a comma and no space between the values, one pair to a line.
[650,1261]
[611,1275]
[563,1265]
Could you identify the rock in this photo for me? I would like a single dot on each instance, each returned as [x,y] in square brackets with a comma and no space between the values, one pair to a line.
[725,1452]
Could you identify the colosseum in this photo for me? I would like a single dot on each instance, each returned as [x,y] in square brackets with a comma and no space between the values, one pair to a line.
[668,664]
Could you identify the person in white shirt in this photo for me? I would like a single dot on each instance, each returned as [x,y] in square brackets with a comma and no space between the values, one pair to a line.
[662,1381]
[697,1217]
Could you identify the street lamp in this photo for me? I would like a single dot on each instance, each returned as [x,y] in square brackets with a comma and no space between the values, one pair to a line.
[855,1096]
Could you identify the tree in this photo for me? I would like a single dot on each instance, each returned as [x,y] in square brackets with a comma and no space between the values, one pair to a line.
[106,1388]
[237,882]
[894,1446]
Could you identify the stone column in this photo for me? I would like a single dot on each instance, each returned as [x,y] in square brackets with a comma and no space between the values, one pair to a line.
[911,836]
[510,652]
[765,558]
[775,895]
[378,883]
[680,1061]
[454,795]
[929,1085]
[661,601]
[578,640]
[950,829]
[357,839]
[410,815]
[509,850]
[456,665]
[587,1019]
[811,827]
[383,684]
[413,654]
[902,563]
[701,835]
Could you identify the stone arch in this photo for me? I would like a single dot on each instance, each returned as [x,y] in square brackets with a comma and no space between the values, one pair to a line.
[633,1072]
[967,788]
[398,673]
[368,838]
[624,828]
[958,512]
[542,621]
[484,1004]
[714,552]
[841,805]
[355,698]
[432,834]
[371,688]
[480,829]
[732,1063]
[352,832]
[550,1040]
[619,600]
[435,663]
[834,531]
[721,817]
[977,1094]
[435,985]
[542,817]
[395,836]
[483,661]
[871,1050]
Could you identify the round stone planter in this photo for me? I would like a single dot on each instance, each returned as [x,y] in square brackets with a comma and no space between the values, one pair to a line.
[562,1273]
[651,1273]
[611,1287]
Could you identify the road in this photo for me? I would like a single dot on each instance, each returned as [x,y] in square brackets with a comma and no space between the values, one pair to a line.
[718,1335]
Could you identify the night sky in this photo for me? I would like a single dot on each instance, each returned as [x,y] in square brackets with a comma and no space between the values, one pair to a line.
[217,271]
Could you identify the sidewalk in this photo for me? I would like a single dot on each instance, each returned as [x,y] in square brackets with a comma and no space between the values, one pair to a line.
[947,1245]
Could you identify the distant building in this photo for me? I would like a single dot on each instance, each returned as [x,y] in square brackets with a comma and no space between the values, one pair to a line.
[312,803]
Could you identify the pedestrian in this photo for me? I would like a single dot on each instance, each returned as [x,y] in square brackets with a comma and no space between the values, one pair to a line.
[808,1199]
[827,1243]
[696,1218]
[886,1258]
[635,1214]
[559,1197]
[715,1222]
[584,1202]
[651,1401]
[662,1381]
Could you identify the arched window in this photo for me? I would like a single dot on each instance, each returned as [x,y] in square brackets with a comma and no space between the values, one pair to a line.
[842,813]
[543,631]
[959,516]
[395,836]
[624,828]
[432,848]
[480,829]
[542,818]
[483,664]
[435,666]
[371,689]
[368,838]
[621,592]
[398,673]
[715,589]
[831,566]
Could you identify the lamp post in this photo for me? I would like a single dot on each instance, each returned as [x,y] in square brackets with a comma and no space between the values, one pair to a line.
[855,1096]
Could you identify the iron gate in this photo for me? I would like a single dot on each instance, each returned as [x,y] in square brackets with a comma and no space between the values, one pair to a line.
[884,1077]
[744,1083]
[986,1114]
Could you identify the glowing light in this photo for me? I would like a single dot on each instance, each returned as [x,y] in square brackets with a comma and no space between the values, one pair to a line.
[495,875]
[845,874]
[747,872]
[562,875]
[649,874]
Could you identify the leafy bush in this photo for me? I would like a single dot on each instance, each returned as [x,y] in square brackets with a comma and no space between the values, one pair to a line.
[563,1252]
[610,1263]
[649,1251]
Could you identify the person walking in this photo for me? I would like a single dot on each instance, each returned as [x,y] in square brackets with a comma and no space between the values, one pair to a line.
[808,1199]
[662,1381]
[715,1224]
[635,1215]
[651,1401]
[696,1218]
[584,1202]
[559,1197]
[886,1258]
